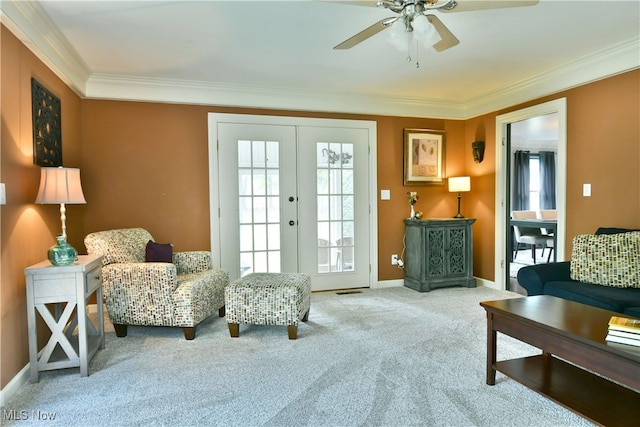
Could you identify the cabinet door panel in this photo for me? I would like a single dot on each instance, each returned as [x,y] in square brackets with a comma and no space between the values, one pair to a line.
[457,251]
[435,250]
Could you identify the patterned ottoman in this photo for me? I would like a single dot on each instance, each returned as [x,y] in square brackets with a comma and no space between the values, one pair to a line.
[268,299]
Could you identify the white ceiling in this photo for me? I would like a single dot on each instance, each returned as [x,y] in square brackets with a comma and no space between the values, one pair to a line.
[278,54]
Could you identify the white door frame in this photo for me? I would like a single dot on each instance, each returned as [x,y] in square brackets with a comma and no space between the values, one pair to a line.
[214,188]
[557,106]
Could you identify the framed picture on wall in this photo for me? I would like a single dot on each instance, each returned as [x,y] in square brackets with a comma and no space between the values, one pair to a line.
[47,126]
[424,151]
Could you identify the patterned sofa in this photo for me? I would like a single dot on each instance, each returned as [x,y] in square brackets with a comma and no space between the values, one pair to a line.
[604,272]
[181,293]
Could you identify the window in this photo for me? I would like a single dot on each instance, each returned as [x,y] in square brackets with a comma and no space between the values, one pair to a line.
[534,182]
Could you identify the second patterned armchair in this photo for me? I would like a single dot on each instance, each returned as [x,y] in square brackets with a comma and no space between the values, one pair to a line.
[180,293]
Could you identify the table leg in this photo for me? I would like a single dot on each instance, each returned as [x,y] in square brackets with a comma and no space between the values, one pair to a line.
[491,350]
[100,316]
[83,344]
[33,337]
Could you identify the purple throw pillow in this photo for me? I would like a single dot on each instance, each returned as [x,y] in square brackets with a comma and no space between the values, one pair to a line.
[159,252]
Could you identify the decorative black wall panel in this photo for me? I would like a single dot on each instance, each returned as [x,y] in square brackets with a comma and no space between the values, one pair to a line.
[47,126]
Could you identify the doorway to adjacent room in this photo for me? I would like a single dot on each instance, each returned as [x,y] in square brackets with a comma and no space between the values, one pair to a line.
[519,125]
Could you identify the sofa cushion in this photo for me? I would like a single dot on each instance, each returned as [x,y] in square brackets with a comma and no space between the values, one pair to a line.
[614,299]
[607,259]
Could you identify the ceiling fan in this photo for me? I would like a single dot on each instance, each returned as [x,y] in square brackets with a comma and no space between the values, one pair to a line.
[413,16]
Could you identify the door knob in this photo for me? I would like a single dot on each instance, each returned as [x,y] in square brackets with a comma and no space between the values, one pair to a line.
[292,223]
[291,198]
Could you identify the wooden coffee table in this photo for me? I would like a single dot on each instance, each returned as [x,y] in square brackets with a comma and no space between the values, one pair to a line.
[575,333]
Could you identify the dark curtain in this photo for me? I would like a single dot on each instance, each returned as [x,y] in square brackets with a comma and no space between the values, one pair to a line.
[547,180]
[520,189]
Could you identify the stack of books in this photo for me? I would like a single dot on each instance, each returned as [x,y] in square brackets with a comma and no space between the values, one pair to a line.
[624,330]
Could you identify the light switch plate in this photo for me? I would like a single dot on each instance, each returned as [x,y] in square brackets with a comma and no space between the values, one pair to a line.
[385,194]
[586,190]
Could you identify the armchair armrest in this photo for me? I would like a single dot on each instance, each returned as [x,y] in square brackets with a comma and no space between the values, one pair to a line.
[192,261]
[534,277]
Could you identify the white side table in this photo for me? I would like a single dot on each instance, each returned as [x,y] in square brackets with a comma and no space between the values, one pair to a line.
[67,290]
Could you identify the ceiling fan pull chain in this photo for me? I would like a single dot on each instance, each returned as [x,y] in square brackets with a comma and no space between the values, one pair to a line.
[417,55]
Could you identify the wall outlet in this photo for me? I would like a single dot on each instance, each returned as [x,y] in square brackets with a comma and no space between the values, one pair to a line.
[394,259]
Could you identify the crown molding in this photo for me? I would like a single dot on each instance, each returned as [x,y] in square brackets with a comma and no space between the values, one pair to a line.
[118,87]
[596,66]
[34,28]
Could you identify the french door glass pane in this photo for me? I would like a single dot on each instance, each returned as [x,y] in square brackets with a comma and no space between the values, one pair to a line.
[335,206]
[259,206]
[273,210]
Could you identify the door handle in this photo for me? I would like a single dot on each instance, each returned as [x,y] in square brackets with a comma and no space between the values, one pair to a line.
[292,223]
[291,198]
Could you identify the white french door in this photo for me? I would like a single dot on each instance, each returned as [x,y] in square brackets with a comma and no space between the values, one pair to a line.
[257,198]
[334,206]
[292,198]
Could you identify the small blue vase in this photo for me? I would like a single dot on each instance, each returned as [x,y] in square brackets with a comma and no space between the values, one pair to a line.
[62,253]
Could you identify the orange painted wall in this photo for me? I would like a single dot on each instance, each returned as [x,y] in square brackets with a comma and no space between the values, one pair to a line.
[27,230]
[480,201]
[146,164]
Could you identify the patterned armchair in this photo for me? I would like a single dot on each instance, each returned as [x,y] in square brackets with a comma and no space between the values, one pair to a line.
[182,293]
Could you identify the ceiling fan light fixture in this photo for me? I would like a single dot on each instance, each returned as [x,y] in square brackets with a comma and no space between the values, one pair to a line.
[421,25]
[400,35]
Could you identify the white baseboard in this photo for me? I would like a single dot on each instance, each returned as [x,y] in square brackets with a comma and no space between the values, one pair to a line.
[14,385]
[388,284]
[487,283]
[23,376]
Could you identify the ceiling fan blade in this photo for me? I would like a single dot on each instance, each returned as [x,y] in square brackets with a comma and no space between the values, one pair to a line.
[447,39]
[466,5]
[365,34]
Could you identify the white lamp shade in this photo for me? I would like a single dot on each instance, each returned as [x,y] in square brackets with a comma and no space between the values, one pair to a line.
[459,184]
[60,185]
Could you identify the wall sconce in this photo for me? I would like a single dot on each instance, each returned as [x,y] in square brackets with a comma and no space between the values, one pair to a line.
[478,151]
[3,195]
[459,184]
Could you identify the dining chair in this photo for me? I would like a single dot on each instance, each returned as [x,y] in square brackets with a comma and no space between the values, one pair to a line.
[528,236]
[547,214]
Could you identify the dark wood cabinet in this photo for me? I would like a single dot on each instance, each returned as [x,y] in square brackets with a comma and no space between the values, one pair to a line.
[438,253]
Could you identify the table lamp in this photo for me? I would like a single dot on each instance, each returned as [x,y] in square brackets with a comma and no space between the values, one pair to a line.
[61,185]
[459,184]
